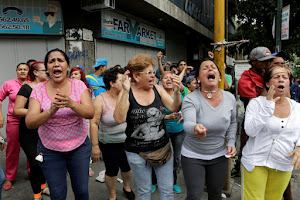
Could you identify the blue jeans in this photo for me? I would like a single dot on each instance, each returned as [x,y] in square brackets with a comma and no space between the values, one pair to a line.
[143,177]
[2,180]
[55,167]
[177,140]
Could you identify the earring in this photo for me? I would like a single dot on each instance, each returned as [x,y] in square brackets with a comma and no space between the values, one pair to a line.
[219,79]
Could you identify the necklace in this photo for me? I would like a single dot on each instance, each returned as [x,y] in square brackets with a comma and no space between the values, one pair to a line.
[210,93]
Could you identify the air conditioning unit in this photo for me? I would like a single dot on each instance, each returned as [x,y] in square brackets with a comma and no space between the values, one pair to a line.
[96,5]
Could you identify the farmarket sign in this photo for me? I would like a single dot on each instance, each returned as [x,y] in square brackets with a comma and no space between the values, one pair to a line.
[118,27]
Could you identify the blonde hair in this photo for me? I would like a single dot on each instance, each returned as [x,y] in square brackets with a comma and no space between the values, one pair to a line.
[139,62]
[165,73]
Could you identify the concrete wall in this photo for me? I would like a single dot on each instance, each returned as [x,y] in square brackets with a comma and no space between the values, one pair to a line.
[120,53]
[17,50]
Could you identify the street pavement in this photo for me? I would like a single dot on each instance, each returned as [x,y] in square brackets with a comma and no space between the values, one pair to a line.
[21,189]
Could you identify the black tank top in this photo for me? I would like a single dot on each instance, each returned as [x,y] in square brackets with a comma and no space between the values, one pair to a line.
[145,130]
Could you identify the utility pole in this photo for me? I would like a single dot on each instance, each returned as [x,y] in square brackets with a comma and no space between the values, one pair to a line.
[278,26]
[219,32]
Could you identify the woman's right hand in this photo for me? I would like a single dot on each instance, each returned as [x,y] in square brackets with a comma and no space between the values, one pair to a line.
[200,131]
[270,95]
[2,121]
[125,81]
[95,154]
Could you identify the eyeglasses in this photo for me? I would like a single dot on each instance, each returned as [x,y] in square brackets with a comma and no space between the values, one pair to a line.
[49,13]
[148,73]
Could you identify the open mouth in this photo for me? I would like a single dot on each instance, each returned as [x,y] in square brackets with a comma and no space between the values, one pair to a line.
[281,87]
[211,77]
[57,73]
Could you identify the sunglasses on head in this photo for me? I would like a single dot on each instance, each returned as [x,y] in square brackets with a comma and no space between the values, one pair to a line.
[49,13]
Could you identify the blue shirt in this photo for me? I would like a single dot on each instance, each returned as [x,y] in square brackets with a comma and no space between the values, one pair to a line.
[97,84]
[171,124]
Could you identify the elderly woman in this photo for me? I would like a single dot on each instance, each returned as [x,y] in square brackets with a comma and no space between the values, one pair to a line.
[29,138]
[272,124]
[209,115]
[142,105]
[58,107]
[111,134]
[11,88]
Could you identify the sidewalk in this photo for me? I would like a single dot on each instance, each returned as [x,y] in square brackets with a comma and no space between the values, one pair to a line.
[21,189]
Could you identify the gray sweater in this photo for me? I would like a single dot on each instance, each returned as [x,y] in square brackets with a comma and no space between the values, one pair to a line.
[220,123]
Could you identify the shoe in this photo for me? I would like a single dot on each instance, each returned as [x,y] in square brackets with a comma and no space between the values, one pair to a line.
[153,188]
[7,186]
[44,191]
[176,188]
[129,195]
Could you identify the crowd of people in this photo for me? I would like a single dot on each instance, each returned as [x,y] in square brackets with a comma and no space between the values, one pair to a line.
[148,123]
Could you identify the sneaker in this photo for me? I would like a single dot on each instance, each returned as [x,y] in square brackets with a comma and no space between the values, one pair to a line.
[129,195]
[176,188]
[153,188]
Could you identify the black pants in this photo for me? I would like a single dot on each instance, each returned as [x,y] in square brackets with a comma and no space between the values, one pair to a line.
[195,171]
[28,142]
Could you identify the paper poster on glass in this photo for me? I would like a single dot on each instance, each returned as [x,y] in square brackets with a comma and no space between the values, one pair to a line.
[31,17]
[119,27]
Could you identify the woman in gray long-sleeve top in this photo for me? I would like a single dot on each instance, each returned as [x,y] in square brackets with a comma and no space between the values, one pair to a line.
[209,115]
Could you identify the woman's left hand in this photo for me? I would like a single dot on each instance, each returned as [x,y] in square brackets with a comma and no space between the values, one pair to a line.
[63,100]
[231,150]
[296,158]
[176,82]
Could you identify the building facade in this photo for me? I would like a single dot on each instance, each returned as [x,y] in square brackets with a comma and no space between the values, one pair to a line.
[112,29]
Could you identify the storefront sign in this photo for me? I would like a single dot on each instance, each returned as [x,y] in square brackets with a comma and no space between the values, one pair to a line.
[119,27]
[30,17]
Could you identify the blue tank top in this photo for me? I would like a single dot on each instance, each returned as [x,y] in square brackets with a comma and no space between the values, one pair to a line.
[145,129]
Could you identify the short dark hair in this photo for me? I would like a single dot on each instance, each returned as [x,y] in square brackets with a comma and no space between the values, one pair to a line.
[21,64]
[172,66]
[59,50]
[97,68]
[29,61]
[112,75]
[180,62]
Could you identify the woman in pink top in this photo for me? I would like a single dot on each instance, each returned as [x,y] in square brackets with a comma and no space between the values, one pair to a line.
[11,88]
[58,107]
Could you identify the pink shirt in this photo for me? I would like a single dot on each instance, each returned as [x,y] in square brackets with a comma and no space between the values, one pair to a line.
[10,88]
[65,130]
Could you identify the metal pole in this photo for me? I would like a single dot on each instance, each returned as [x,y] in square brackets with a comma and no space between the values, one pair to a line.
[219,31]
[278,26]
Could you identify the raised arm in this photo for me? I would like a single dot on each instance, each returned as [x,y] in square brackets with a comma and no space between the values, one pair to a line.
[160,66]
[94,126]
[122,106]
[171,104]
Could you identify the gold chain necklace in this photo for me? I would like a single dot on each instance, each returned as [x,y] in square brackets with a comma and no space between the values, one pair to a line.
[210,93]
